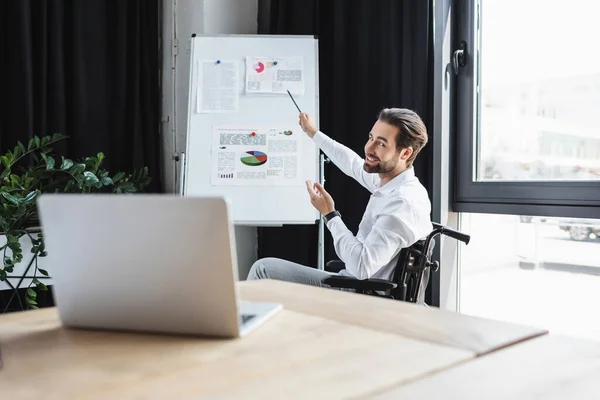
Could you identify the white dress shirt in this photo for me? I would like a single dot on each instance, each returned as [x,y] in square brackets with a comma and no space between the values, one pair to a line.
[397,215]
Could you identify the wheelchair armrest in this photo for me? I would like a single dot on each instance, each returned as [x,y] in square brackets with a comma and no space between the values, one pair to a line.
[334,266]
[348,282]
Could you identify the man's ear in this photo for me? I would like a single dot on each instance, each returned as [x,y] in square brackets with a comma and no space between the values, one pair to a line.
[406,153]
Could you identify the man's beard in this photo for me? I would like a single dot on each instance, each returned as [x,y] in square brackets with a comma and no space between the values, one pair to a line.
[382,167]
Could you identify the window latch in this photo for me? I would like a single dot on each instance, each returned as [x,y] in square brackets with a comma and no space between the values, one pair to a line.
[459,57]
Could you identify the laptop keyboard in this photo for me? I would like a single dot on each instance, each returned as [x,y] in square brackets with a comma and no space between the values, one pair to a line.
[247,317]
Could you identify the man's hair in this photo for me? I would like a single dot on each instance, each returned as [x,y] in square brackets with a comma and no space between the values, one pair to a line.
[411,129]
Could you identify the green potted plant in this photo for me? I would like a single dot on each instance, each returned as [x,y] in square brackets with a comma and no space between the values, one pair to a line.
[25,173]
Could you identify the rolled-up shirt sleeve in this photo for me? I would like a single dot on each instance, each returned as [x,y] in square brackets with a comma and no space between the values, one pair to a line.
[395,227]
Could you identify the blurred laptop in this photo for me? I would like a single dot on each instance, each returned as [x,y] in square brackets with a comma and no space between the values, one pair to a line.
[154,263]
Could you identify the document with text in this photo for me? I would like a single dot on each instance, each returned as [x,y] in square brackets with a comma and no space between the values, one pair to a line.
[256,156]
[275,75]
[217,86]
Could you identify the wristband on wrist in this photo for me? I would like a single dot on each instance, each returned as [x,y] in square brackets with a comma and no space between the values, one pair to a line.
[332,214]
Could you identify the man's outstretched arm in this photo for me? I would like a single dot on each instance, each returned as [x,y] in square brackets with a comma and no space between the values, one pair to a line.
[344,158]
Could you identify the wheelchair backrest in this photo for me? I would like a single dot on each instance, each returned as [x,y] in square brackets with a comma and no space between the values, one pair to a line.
[412,269]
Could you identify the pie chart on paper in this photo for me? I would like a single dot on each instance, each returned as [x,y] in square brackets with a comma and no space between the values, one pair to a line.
[259,67]
[253,158]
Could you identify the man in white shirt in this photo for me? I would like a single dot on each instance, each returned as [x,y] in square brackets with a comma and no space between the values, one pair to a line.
[398,212]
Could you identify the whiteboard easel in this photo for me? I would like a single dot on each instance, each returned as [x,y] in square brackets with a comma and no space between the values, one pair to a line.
[257,205]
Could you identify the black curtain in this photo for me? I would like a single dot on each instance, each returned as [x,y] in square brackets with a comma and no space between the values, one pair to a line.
[372,54]
[88,69]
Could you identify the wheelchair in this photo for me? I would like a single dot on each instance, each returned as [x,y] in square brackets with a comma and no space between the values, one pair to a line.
[411,275]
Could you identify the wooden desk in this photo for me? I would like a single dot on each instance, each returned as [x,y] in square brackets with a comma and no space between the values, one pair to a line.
[305,351]
[478,335]
[549,367]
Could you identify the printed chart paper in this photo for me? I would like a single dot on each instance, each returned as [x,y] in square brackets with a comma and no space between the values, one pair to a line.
[275,75]
[217,86]
[256,156]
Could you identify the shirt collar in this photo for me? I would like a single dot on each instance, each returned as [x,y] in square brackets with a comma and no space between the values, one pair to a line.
[397,181]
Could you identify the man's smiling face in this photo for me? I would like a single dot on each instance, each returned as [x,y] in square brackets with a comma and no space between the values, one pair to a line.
[381,154]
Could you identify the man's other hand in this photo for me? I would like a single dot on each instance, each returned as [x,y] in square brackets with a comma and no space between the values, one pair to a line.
[307,124]
[320,199]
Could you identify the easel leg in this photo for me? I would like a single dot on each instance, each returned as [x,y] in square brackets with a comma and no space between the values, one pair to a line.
[321,244]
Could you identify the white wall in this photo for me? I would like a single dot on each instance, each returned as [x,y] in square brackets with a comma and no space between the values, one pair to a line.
[230,16]
[182,18]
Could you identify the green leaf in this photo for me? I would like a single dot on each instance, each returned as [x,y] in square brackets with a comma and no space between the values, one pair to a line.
[31,293]
[66,163]
[13,242]
[89,179]
[5,161]
[50,162]
[127,187]
[31,144]
[118,177]
[13,199]
[40,285]
[22,147]
[37,141]
[106,181]
[68,187]
[34,307]
[58,136]
[4,174]
[12,237]
[43,272]
[30,301]
[77,169]
[18,152]
[15,179]
[30,197]
[2,275]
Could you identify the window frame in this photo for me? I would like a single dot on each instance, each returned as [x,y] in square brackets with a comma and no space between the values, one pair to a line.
[545,198]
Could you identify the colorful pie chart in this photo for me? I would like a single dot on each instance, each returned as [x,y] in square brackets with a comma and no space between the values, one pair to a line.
[253,158]
[259,67]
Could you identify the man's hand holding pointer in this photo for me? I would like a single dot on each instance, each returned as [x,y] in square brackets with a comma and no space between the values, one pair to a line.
[307,124]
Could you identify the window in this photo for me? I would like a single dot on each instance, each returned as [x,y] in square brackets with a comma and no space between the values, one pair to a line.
[528,101]
[527,162]
[544,272]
